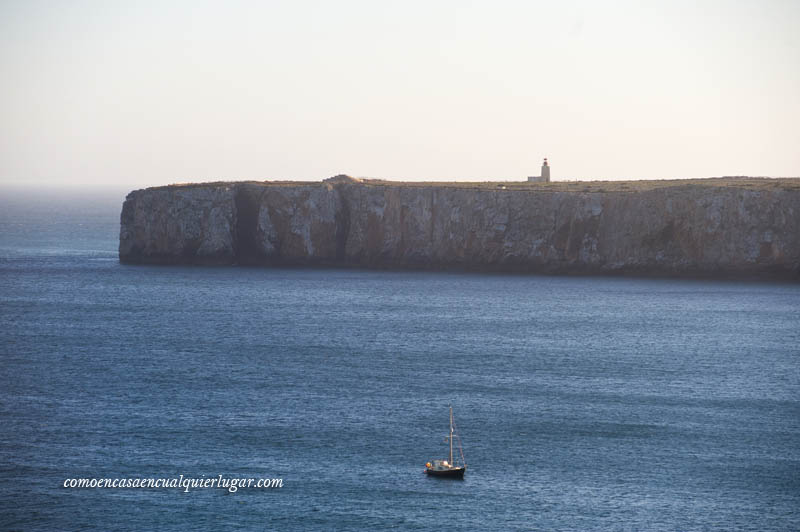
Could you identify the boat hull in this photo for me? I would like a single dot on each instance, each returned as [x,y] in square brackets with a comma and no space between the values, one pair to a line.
[455,472]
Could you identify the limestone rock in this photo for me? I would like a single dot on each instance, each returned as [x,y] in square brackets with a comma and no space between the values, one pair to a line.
[179,225]
[690,227]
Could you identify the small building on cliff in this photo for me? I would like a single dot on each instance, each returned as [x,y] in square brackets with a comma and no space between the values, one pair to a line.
[545,177]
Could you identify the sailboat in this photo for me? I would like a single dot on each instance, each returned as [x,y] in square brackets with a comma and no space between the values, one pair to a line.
[448,468]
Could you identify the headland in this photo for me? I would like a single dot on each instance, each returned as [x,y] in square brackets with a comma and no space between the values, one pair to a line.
[737,227]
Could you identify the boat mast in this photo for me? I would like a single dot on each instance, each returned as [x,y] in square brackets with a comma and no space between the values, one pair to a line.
[451,436]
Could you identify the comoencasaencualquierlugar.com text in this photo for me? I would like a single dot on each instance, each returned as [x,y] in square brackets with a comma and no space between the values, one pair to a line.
[187,483]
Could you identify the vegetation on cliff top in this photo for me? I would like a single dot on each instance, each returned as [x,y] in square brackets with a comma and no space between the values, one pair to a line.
[752,183]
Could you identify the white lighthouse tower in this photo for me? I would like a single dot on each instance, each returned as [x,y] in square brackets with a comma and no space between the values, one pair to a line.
[545,177]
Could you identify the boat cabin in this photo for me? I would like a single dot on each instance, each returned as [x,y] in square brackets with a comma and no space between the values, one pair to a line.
[439,465]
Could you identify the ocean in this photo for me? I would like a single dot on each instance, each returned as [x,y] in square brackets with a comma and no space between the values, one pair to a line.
[583,403]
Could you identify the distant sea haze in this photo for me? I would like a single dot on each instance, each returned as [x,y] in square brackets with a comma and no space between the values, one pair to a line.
[710,228]
[583,403]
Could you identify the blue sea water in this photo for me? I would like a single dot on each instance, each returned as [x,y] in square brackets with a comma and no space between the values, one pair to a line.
[583,403]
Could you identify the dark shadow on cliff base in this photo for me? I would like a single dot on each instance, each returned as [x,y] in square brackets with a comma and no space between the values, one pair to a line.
[245,239]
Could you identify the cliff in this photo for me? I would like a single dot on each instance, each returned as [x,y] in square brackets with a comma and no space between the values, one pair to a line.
[741,227]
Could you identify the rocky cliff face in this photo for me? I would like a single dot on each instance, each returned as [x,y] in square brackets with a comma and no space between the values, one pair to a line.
[690,227]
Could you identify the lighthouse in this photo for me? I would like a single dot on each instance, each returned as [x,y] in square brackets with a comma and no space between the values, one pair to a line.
[544,177]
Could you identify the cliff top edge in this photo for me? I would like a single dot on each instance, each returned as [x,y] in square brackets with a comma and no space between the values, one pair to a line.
[753,183]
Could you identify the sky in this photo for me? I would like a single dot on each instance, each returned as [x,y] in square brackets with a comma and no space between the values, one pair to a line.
[134,94]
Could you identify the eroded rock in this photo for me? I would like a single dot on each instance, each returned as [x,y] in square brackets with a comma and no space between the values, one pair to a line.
[689,227]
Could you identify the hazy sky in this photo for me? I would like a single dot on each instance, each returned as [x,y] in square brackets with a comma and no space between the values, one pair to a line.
[146,93]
